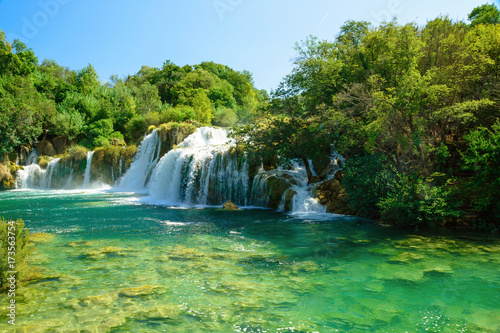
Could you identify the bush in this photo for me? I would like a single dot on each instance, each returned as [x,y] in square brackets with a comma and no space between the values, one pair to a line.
[366,180]
[413,202]
[14,238]
[178,114]
[225,117]
[135,129]
[77,153]
[483,158]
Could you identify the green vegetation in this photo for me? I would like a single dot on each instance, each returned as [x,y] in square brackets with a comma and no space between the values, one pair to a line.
[14,244]
[414,109]
[45,101]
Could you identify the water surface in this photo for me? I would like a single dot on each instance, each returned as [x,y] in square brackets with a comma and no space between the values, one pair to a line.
[114,265]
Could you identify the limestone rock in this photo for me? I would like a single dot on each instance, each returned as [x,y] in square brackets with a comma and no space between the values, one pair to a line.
[45,148]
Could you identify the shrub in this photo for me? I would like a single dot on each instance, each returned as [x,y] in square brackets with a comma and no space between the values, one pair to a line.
[413,202]
[225,117]
[366,180]
[14,238]
[178,114]
[483,158]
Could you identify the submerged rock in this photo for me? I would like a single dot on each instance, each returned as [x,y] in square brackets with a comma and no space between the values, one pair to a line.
[41,237]
[137,291]
[228,205]
[106,300]
[170,311]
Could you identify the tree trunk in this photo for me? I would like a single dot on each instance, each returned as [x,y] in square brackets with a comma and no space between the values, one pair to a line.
[308,169]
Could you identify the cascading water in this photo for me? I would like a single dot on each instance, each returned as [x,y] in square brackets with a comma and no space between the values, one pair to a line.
[29,176]
[32,158]
[88,168]
[35,177]
[204,169]
[146,158]
[207,169]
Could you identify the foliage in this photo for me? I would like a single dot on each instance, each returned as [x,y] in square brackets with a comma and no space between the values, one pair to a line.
[42,101]
[485,14]
[225,117]
[14,238]
[24,113]
[483,159]
[392,100]
[367,179]
[413,202]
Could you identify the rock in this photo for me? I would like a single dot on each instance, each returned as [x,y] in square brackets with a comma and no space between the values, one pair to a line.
[228,205]
[277,186]
[41,237]
[314,179]
[60,143]
[137,291]
[182,253]
[289,199]
[106,300]
[106,251]
[45,148]
[163,312]
[406,257]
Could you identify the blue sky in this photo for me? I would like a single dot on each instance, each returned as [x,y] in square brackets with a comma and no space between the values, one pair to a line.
[119,36]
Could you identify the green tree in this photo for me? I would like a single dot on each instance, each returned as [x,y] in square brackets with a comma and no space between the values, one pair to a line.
[24,113]
[86,80]
[202,108]
[485,14]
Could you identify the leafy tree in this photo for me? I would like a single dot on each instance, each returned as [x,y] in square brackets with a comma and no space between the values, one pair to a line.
[24,113]
[483,158]
[202,108]
[485,14]
[225,117]
[86,80]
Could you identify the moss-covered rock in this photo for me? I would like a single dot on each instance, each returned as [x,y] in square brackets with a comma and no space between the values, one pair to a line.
[8,175]
[228,205]
[172,134]
[111,162]
[289,199]
[331,194]
[43,161]
[276,187]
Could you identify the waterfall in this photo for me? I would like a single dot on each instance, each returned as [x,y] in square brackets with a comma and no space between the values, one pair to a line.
[29,177]
[35,177]
[146,158]
[204,169]
[32,158]
[52,167]
[88,168]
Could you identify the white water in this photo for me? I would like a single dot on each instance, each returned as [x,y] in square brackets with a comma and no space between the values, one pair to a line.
[88,168]
[32,158]
[35,177]
[205,169]
[146,158]
[201,170]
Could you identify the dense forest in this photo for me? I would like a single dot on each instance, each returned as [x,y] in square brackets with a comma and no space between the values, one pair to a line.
[47,100]
[413,109]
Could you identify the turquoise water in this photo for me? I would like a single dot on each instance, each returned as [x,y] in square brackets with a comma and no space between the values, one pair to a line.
[113,265]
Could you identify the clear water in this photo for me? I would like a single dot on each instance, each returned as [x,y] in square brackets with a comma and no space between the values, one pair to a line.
[117,266]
